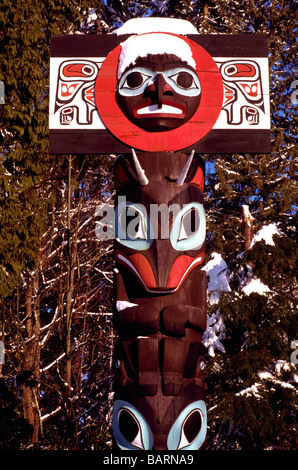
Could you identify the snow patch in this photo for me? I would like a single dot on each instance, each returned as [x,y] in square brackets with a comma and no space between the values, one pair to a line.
[215,332]
[247,215]
[280,366]
[266,233]
[251,391]
[156,25]
[266,376]
[216,270]
[157,43]
[271,378]
[92,15]
[255,286]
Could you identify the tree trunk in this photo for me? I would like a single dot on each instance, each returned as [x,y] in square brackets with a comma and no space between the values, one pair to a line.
[247,227]
[70,282]
[31,359]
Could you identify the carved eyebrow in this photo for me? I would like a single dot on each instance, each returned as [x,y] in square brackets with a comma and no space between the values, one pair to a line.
[196,196]
[176,64]
[173,63]
[142,63]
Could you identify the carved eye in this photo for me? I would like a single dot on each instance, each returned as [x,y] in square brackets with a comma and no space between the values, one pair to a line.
[184,80]
[189,430]
[189,225]
[135,80]
[131,430]
[189,228]
[132,223]
[133,228]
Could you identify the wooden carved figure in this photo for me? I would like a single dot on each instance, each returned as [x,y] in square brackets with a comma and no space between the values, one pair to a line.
[160,241]
[158,99]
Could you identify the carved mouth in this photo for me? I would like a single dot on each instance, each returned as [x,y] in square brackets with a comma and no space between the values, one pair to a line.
[140,267]
[169,109]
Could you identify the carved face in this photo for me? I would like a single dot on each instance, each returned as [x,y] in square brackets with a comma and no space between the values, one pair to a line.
[160,227]
[159,92]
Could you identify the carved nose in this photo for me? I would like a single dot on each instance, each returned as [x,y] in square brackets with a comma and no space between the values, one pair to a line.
[158,89]
[164,261]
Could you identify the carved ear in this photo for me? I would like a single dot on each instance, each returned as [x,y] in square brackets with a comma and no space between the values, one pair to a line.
[128,170]
[124,172]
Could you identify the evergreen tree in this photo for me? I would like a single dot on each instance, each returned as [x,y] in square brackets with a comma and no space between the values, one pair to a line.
[52,273]
[252,390]
[26,28]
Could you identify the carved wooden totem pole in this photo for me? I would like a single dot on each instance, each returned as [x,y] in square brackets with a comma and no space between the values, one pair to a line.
[159,98]
[160,242]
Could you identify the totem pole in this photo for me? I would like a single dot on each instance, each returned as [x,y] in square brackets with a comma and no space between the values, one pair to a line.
[160,241]
[158,98]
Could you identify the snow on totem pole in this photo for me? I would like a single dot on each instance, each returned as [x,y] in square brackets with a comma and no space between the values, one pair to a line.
[159,97]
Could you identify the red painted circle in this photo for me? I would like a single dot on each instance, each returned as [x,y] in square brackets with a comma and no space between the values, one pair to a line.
[191,132]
